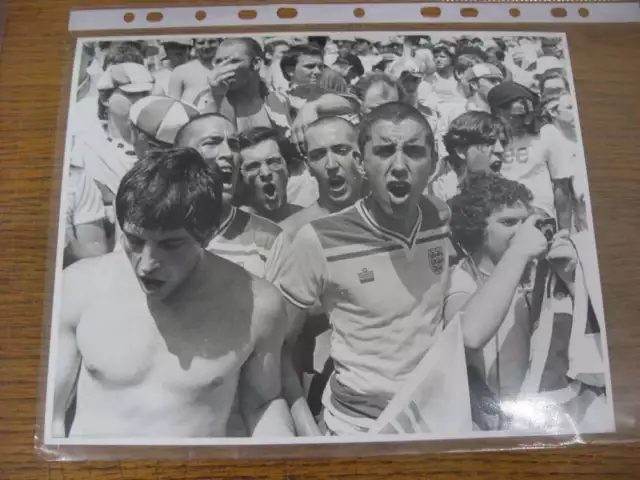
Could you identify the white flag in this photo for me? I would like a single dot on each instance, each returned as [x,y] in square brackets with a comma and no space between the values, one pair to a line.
[435,398]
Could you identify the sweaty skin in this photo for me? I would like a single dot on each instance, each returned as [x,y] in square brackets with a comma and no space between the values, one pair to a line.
[149,367]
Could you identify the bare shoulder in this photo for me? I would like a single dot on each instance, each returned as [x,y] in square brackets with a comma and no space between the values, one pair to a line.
[87,278]
[268,313]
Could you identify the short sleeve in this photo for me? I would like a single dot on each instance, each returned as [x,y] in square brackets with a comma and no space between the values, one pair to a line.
[461,285]
[559,153]
[302,271]
[87,205]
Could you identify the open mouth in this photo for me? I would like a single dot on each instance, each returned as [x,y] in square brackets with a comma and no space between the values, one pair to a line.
[151,284]
[226,175]
[496,166]
[398,191]
[270,191]
[337,184]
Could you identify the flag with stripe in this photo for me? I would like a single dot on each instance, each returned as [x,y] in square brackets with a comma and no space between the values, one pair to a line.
[435,398]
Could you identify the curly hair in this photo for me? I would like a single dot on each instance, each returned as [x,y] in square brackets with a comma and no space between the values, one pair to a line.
[481,195]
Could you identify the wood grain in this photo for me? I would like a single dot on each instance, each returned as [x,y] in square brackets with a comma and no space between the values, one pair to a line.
[34,65]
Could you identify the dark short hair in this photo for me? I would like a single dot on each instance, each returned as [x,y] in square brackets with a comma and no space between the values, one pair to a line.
[290,58]
[171,189]
[252,46]
[271,46]
[481,194]
[471,128]
[353,61]
[475,51]
[256,136]
[464,63]
[123,52]
[363,85]
[181,132]
[394,112]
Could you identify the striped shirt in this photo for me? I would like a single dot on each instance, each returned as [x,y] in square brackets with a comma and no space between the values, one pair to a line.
[383,294]
[245,239]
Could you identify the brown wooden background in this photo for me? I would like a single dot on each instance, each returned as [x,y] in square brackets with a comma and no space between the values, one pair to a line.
[34,62]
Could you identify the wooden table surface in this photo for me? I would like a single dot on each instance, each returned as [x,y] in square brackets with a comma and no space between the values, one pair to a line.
[35,60]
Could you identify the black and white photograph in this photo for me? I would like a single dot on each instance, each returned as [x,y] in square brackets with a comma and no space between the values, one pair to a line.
[325,237]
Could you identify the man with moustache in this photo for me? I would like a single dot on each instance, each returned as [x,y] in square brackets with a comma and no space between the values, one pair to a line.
[265,175]
[191,78]
[191,329]
[378,268]
[242,237]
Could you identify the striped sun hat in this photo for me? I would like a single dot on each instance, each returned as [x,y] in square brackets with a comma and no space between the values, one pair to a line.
[161,117]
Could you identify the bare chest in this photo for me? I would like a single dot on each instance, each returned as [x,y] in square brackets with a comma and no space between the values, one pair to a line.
[124,344]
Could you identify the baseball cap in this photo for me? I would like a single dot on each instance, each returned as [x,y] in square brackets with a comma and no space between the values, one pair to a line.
[483,70]
[507,92]
[161,117]
[128,77]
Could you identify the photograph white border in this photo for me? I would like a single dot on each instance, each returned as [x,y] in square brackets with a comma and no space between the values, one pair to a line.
[50,441]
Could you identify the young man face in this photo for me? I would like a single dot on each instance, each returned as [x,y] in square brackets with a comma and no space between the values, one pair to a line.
[176,54]
[398,162]
[265,176]
[442,59]
[484,158]
[564,113]
[502,225]
[216,140]
[118,107]
[518,114]
[308,70]
[333,159]
[237,53]
[205,48]
[161,259]
[278,51]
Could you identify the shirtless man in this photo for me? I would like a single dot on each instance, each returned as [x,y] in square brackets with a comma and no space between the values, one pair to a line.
[188,80]
[242,237]
[159,338]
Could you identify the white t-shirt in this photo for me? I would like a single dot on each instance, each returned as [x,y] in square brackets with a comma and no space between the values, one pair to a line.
[536,160]
[504,360]
[446,186]
[104,158]
[84,201]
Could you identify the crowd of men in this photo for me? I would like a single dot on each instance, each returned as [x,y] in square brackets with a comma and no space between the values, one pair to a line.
[265,236]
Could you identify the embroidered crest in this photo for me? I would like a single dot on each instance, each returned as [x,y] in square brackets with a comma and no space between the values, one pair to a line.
[366,276]
[436,259]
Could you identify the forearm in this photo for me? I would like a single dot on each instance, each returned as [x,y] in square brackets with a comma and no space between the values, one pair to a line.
[272,419]
[488,306]
[563,203]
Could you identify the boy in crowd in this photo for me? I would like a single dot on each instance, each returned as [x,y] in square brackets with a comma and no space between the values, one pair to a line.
[475,143]
[191,329]
[379,269]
